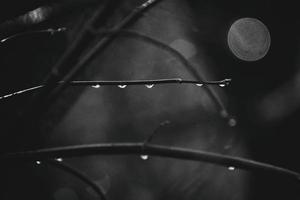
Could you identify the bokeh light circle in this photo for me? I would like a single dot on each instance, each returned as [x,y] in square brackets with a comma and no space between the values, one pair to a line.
[249,39]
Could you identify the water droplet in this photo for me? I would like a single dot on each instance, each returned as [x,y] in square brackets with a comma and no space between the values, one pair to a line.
[96,86]
[144,157]
[231,168]
[150,86]
[59,159]
[222,84]
[38,162]
[199,84]
[122,86]
[232,122]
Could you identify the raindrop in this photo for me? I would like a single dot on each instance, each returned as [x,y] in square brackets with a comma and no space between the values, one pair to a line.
[122,86]
[144,157]
[96,86]
[222,84]
[38,162]
[231,168]
[199,85]
[232,122]
[150,86]
[61,29]
[59,159]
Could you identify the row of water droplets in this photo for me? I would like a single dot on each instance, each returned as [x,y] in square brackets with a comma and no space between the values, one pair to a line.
[123,86]
[143,157]
[231,122]
[149,86]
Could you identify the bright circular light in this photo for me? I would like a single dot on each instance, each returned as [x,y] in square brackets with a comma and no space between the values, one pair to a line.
[249,39]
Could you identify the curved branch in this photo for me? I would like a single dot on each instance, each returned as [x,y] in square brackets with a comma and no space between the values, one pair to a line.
[54,91]
[176,54]
[83,38]
[153,150]
[75,172]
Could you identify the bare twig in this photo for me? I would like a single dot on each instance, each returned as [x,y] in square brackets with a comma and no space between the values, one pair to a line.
[130,82]
[190,68]
[149,149]
[74,50]
[155,132]
[49,31]
[54,91]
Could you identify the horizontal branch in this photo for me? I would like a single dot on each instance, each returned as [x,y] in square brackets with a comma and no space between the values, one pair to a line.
[173,52]
[221,83]
[152,150]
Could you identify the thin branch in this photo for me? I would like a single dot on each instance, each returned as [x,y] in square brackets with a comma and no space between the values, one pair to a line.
[155,132]
[74,50]
[222,83]
[77,173]
[49,31]
[190,68]
[20,92]
[52,91]
[149,149]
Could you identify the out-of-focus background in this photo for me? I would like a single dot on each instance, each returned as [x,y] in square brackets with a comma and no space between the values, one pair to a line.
[254,43]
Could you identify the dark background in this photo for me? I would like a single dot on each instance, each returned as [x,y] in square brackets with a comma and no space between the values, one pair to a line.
[264,97]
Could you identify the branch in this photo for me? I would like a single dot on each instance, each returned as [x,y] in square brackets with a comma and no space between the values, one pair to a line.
[190,68]
[49,31]
[73,51]
[148,83]
[149,149]
[52,91]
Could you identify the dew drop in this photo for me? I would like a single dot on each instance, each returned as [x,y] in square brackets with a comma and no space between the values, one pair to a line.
[38,162]
[144,157]
[96,86]
[150,86]
[231,168]
[199,85]
[122,86]
[232,122]
[59,159]
[222,85]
